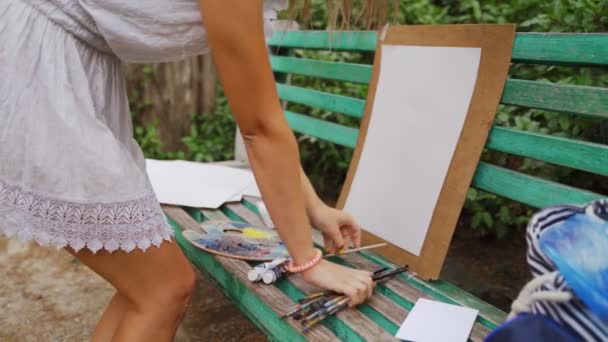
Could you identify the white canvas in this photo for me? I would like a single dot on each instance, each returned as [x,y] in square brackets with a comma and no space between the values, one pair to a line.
[420,325]
[421,101]
[196,185]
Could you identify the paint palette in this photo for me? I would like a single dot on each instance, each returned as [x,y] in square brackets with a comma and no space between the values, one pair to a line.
[238,240]
[578,246]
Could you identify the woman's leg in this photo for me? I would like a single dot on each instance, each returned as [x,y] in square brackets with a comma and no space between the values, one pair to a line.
[110,320]
[157,285]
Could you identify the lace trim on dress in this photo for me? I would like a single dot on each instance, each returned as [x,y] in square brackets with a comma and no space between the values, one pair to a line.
[124,225]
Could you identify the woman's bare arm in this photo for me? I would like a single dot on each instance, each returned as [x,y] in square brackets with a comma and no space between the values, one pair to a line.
[235,32]
[236,35]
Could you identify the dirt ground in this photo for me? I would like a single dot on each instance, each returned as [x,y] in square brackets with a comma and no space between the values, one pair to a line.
[46,295]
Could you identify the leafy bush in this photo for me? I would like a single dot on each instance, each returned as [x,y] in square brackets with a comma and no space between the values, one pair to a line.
[211,136]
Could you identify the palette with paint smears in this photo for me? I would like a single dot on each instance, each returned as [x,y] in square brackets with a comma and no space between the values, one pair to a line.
[238,240]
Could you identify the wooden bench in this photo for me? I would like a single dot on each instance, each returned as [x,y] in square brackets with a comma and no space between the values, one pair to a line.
[379,319]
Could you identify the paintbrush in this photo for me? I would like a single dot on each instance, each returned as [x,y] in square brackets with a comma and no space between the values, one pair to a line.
[301,307]
[326,293]
[325,313]
[353,250]
[331,308]
[323,296]
[381,276]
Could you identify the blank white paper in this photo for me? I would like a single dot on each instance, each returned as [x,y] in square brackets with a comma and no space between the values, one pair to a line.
[421,323]
[196,185]
[421,102]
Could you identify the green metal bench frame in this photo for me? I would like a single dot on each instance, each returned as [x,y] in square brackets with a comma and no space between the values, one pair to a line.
[379,319]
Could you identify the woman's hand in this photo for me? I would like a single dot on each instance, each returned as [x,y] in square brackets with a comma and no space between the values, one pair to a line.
[339,228]
[357,285]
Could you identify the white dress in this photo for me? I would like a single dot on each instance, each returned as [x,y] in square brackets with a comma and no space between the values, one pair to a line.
[71,173]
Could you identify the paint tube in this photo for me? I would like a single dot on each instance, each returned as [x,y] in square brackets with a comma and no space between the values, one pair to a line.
[257,272]
[272,275]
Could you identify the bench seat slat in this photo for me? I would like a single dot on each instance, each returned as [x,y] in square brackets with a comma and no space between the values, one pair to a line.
[366,328]
[254,301]
[406,296]
[353,327]
[577,154]
[536,192]
[329,131]
[561,48]
[410,288]
[584,100]
[382,310]
[314,98]
[339,71]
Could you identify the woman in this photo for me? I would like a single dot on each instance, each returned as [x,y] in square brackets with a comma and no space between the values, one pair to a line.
[72,176]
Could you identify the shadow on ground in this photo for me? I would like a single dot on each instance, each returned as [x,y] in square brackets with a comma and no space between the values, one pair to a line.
[48,296]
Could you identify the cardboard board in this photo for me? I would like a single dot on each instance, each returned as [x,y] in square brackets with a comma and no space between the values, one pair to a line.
[425,206]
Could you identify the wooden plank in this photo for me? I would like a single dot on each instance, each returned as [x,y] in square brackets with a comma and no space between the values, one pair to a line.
[362,325]
[212,214]
[567,98]
[441,290]
[246,214]
[231,275]
[378,308]
[338,327]
[577,154]
[561,48]
[405,291]
[527,189]
[325,40]
[319,99]
[541,48]
[348,72]
[329,131]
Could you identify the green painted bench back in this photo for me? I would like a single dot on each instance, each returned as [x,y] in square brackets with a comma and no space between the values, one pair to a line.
[572,50]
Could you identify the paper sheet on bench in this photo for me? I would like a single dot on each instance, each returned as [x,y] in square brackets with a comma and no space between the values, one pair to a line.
[431,321]
[421,102]
[198,185]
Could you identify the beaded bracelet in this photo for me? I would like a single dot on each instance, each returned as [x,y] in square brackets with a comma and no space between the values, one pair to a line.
[291,267]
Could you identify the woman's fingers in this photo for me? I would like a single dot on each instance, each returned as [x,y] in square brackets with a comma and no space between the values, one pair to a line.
[351,228]
[328,244]
[359,290]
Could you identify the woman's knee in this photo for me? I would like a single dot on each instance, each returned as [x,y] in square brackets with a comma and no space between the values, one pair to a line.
[170,295]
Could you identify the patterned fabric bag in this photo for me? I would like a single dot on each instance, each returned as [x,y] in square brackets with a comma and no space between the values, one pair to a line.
[567,299]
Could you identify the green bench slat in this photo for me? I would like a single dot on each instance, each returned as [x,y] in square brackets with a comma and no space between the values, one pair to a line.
[490,316]
[561,48]
[536,192]
[591,101]
[329,131]
[349,72]
[542,48]
[289,288]
[314,98]
[572,153]
[247,301]
[324,40]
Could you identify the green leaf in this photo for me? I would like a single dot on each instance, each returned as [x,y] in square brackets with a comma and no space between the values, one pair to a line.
[476,220]
[564,122]
[487,219]
[472,194]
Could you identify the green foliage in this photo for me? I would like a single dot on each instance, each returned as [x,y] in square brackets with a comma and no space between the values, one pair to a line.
[211,136]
